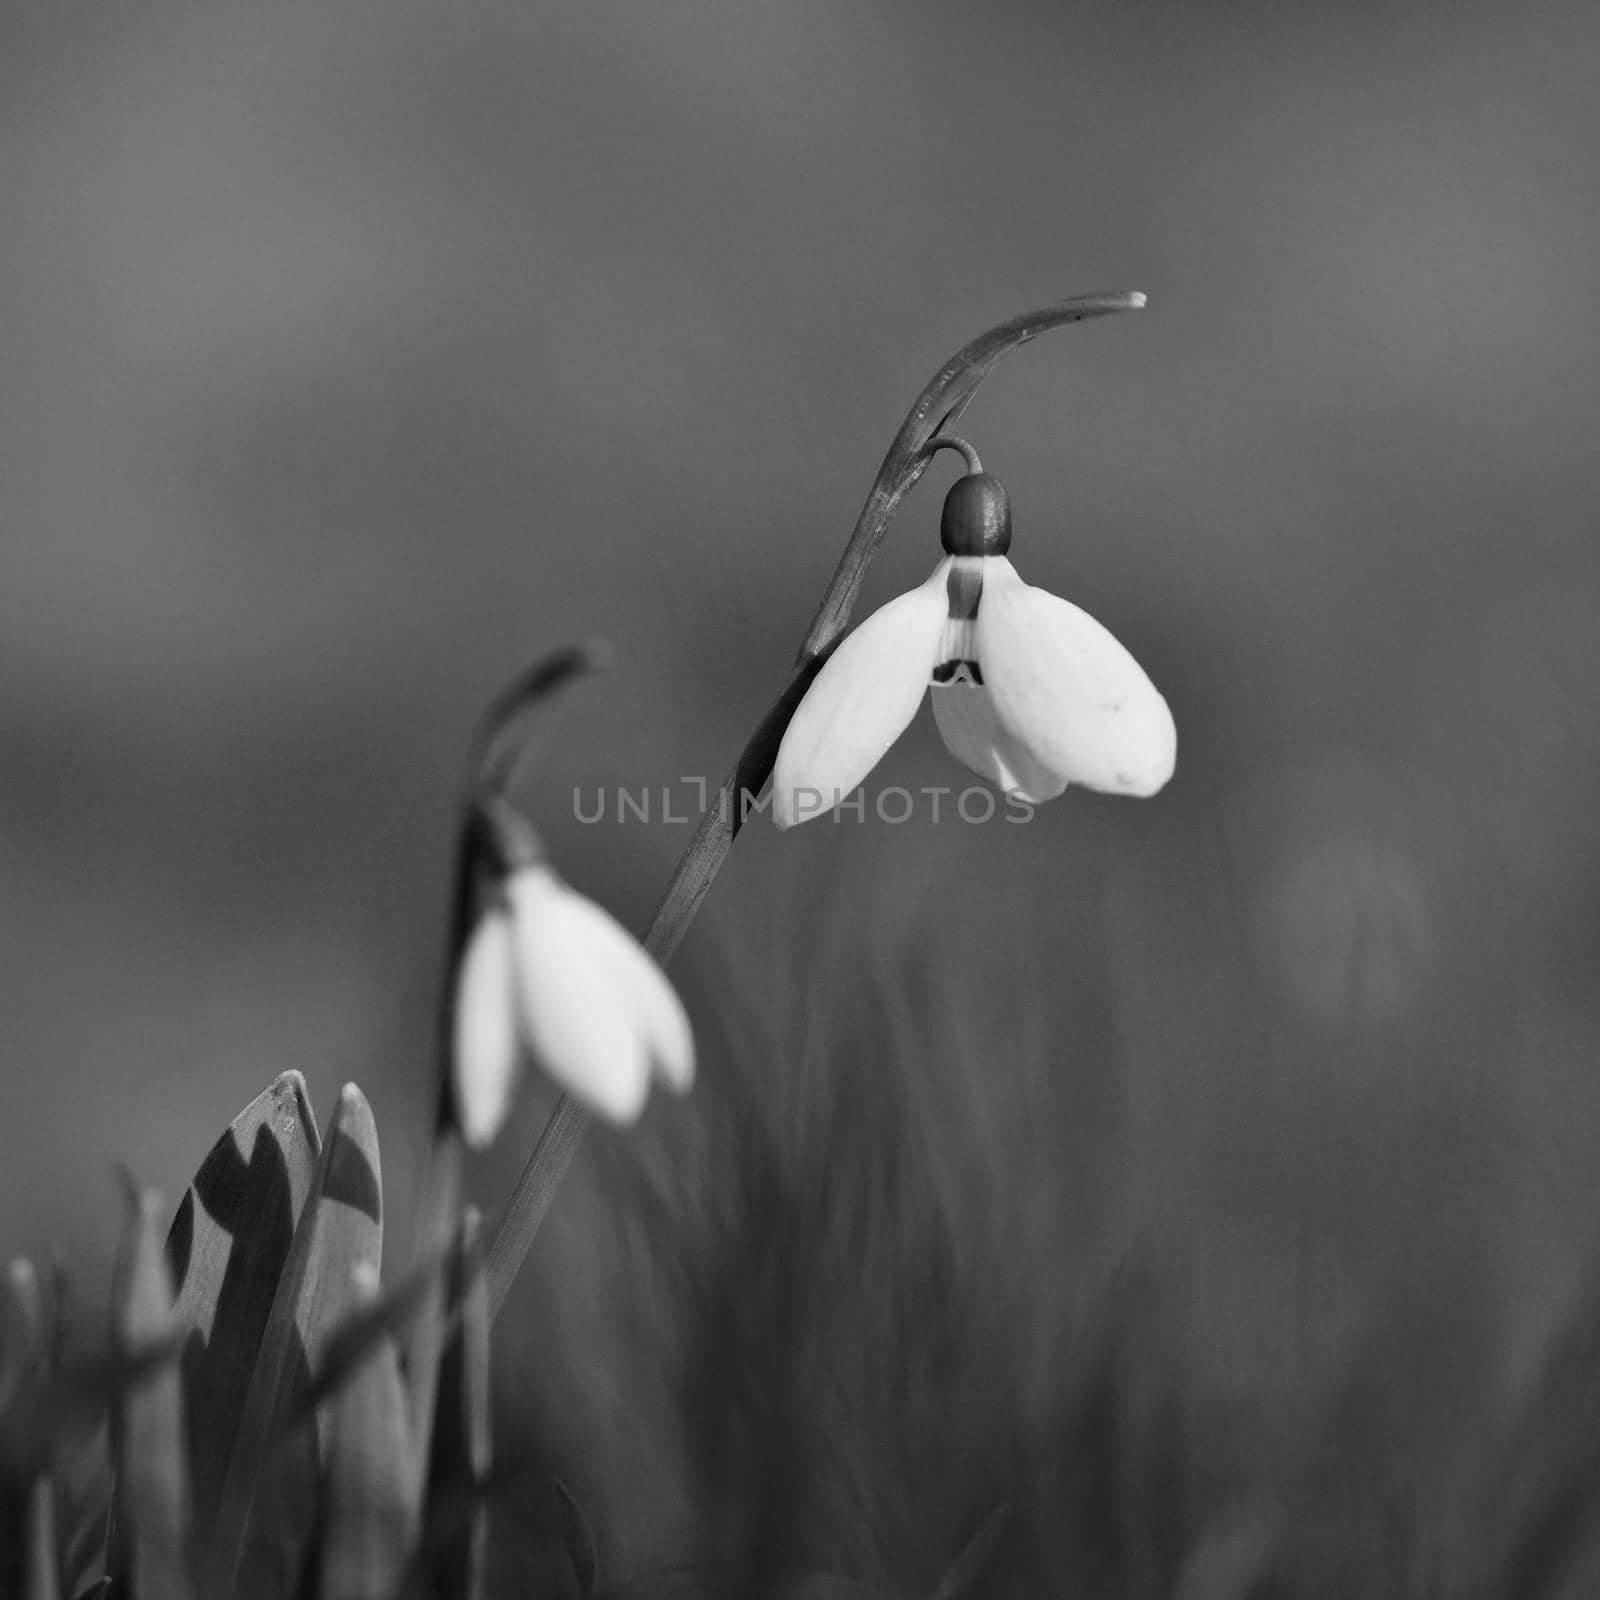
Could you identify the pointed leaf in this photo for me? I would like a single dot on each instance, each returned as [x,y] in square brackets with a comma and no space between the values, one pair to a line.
[340,1230]
[226,1249]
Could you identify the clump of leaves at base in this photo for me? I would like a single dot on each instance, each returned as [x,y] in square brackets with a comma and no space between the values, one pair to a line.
[244,1431]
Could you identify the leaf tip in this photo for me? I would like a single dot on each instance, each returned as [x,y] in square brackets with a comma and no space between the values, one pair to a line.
[351,1100]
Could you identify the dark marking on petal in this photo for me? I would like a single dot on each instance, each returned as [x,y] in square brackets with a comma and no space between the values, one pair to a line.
[964,587]
[954,672]
[252,1201]
[350,1178]
[180,1241]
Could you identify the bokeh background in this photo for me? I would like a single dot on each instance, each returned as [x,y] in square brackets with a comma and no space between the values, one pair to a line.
[354,354]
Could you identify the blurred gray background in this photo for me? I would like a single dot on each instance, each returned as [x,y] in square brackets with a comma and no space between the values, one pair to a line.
[355,354]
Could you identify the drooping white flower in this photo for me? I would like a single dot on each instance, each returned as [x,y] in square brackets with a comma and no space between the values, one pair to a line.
[548,975]
[1028,690]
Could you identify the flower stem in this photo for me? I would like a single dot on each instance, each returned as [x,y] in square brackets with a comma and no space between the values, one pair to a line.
[949,441]
[438,1206]
[488,830]
[939,406]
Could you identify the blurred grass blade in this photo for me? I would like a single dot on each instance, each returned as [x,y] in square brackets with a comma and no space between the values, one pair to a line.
[27,1535]
[525,1211]
[373,1483]
[54,1448]
[461,1450]
[448,1519]
[1231,1558]
[581,1546]
[83,1523]
[81,1461]
[1538,1527]
[24,1378]
[153,1525]
[227,1247]
[387,1317]
[340,1230]
[438,1224]
[976,1554]
[89,1383]
[44,1581]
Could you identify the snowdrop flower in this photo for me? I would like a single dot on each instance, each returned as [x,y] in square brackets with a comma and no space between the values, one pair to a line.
[548,974]
[1028,691]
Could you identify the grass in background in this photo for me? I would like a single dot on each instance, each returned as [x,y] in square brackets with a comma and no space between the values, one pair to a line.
[879,1282]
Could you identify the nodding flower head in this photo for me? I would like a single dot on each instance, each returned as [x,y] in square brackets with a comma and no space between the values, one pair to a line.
[548,974]
[1028,691]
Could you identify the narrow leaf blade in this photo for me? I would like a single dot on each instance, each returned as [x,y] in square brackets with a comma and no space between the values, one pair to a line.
[226,1249]
[373,1483]
[153,1526]
[340,1230]
[462,1448]
[24,1409]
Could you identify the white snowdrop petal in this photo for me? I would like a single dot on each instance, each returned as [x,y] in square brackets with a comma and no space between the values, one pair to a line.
[487,1060]
[573,1004]
[640,990]
[1069,692]
[977,738]
[664,1023]
[860,703]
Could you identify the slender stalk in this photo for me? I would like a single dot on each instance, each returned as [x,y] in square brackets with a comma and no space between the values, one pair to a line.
[41,1580]
[437,1208]
[949,441]
[938,407]
[490,769]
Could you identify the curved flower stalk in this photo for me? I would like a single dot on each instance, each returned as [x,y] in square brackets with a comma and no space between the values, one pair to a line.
[493,763]
[1028,691]
[941,403]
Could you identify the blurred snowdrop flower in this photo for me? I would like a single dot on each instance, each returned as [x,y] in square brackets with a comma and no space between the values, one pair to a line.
[1028,691]
[548,974]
